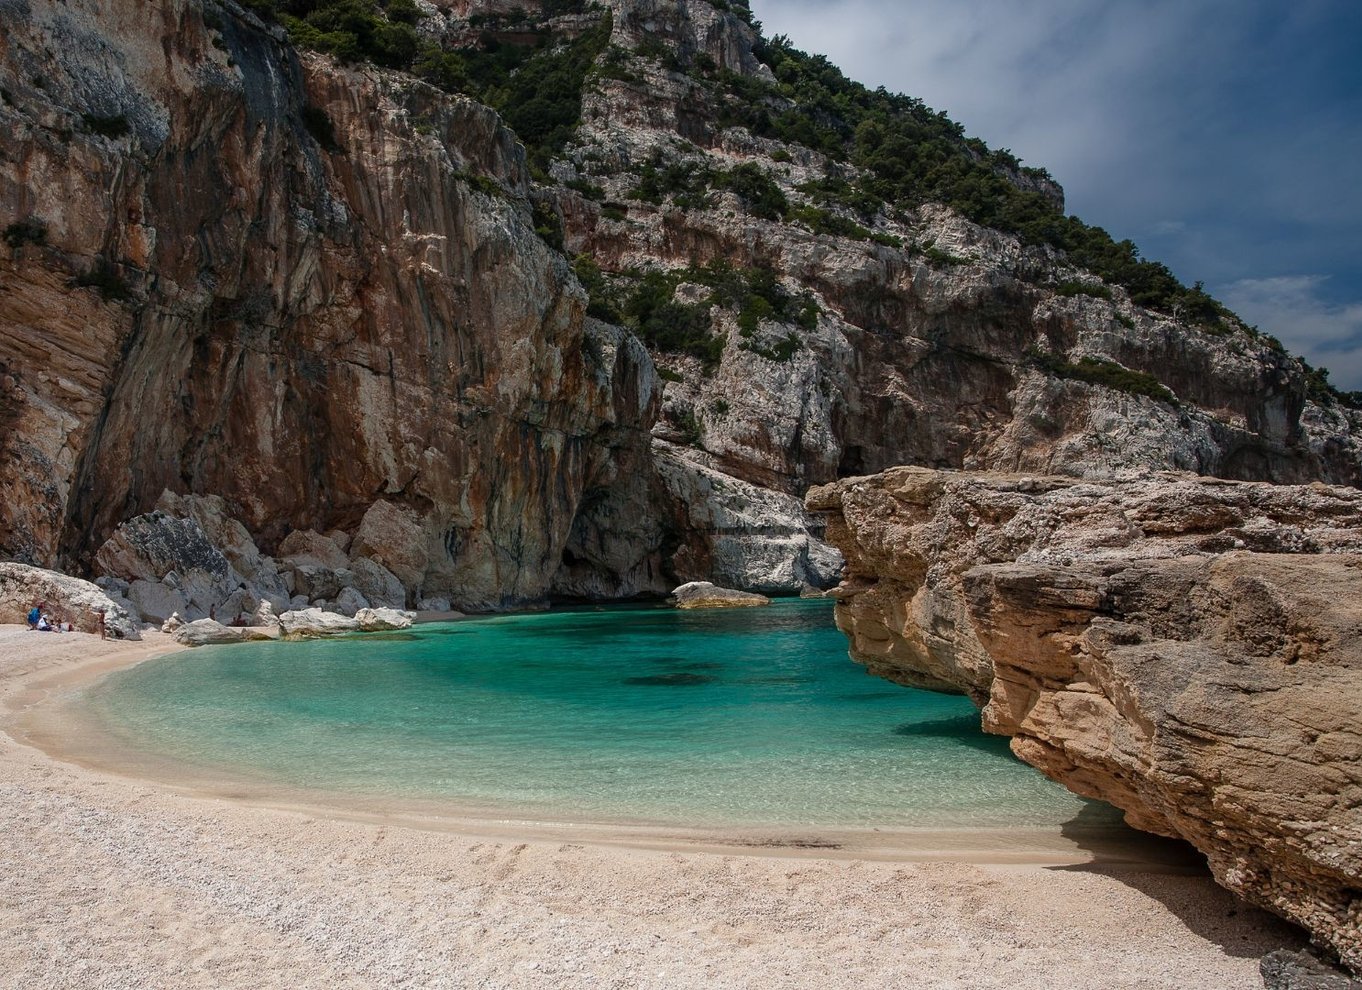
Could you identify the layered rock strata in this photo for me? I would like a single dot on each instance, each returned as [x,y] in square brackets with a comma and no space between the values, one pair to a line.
[1187,649]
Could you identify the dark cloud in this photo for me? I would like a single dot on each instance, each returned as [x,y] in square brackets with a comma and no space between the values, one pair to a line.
[1223,136]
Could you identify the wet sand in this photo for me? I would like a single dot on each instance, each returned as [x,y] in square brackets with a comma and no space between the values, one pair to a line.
[120,871]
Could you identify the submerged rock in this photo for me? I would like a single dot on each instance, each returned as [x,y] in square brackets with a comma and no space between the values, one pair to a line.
[1188,649]
[702,594]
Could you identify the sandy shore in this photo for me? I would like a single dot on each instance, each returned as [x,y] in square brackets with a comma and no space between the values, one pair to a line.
[111,881]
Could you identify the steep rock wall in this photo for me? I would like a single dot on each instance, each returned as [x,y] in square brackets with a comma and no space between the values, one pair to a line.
[1187,649]
[315,287]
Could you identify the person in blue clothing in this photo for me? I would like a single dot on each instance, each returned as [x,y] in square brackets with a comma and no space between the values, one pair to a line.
[34,615]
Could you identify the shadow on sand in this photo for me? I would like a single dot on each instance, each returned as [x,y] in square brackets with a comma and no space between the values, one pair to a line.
[1175,874]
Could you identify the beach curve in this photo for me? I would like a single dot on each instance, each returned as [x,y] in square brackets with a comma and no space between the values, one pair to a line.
[115,880]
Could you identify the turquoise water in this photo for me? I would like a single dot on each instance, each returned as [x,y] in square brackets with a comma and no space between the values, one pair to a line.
[713,718]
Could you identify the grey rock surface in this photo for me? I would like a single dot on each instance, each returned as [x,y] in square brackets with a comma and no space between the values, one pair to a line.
[702,594]
[207,632]
[68,599]
[1288,970]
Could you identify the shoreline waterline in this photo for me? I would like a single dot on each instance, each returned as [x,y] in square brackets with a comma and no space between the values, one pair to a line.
[117,880]
[42,710]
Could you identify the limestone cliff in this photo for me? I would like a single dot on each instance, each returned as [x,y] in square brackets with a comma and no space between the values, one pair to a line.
[338,296]
[302,287]
[1186,649]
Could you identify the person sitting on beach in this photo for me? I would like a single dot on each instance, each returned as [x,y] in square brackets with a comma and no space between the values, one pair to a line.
[34,614]
[43,624]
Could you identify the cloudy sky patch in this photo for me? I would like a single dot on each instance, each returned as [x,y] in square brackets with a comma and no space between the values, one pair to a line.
[1222,136]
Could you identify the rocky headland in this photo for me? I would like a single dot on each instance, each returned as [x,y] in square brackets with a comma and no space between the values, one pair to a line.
[1188,649]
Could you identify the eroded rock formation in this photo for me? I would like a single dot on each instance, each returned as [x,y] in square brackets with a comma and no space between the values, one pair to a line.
[326,296]
[702,594]
[1187,649]
[67,600]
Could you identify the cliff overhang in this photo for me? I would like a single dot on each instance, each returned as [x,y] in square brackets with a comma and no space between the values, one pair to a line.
[1188,649]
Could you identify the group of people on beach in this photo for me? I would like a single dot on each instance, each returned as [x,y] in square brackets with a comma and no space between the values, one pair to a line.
[40,621]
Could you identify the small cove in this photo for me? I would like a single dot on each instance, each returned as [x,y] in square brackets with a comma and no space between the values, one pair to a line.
[714,719]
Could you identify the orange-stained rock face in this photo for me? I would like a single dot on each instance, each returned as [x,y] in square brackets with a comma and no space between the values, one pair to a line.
[310,308]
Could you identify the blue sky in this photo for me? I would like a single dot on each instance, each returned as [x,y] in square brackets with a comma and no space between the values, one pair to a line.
[1222,136]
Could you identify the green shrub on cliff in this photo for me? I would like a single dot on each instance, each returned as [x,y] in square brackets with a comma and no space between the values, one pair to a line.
[1099,371]
[668,325]
[758,191]
[536,84]
[686,182]
[29,230]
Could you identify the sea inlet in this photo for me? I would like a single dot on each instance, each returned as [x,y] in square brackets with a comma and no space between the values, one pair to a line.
[701,719]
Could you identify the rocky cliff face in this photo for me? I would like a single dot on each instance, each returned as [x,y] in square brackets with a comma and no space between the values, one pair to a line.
[300,287]
[1188,650]
[239,270]
[935,342]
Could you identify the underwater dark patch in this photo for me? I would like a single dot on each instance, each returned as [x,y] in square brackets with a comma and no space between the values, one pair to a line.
[678,679]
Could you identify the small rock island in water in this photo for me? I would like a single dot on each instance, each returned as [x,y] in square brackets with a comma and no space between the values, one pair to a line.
[316,316]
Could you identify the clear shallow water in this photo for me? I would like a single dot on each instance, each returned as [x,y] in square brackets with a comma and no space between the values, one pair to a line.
[712,718]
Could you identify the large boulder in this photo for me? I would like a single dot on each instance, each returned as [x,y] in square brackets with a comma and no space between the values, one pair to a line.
[318,583]
[702,594]
[312,623]
[350,601]
[222,530]
[206,632]
[391,535]
[156,601]
[377,584]
[1188,649]
[303,546]
[67,599]
[150,546]
[383,619]
[194,576]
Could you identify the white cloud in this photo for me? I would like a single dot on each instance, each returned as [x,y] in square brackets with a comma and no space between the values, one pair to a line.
[1293,308]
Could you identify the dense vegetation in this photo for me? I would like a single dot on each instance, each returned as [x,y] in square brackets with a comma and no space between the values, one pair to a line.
[532,78]
[904,153]
[911,155]
[1099,371]
[646,302]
